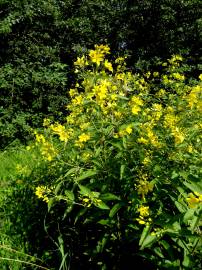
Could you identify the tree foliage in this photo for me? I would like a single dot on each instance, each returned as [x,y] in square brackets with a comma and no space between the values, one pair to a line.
[40,38]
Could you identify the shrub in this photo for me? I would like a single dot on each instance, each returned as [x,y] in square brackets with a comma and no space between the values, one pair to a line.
[122,175]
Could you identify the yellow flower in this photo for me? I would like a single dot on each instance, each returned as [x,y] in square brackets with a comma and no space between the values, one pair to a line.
[108,65]
[129,129]
[178,135]
[143,210]
[144,215]
[144,187]
[194,199]
[142,140]
[42,192]
[178,76]
[81,61]
[136,109]
[137,100]
[96,57]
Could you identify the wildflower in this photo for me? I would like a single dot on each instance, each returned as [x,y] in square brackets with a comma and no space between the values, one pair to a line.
[142,140]
[81,61]
[137,100]
[108,65]
[129,129]
[144,214]
[136,109]
[96,57]
[144,211]
[42,192]
[84,137]
[144,187]
[60,130]
[194,199]
[178,135]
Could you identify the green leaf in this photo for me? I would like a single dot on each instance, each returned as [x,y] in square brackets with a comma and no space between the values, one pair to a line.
[194,186]
[144,234]
[180,207]
[115,209]
[189,215]
[58,187]
[103,222]
[51,203]
[84,190]
[71,171]
[86,174]
[102,205]
[148,241]
[80,214]
[186,262]
[70,195]
[109,197]
[158,251]
[194,223]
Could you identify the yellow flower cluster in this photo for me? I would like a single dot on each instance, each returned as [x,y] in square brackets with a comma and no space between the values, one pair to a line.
[144,214]
[125,131]
[42,192]
[144,186]
[171,121]
[61,131]
[194,97]
[47,149]
[136,103]
[91,199]
[82,139]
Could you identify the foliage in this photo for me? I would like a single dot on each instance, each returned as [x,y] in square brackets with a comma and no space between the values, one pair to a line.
[16,163]
[39,39]
[122,176]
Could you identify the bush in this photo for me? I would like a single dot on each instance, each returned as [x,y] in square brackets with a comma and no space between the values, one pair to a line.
[121,177]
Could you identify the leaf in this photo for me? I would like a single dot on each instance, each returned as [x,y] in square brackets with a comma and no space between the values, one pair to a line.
[102,205]
[84,190]
[80,214]
[109,197]
[180,207]
[158,252]
[118,145]
[70,195]
[194,223]
[51,203]
[103,222]
[194,186]
[115,209]
[71,171]
[67,211]
[186,262]
[58,187]
[148,241]
[144,234]
[189,215]
[86,174]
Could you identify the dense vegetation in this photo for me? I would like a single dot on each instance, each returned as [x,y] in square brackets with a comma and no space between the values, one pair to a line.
[101,144]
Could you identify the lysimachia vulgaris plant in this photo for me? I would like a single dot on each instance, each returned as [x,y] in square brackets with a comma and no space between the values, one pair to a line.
[129,155]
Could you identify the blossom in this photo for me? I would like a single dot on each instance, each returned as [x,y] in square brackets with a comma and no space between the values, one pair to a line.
[42,192]
[194,199]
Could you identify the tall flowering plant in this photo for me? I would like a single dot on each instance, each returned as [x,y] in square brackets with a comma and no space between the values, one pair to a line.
[128,157]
